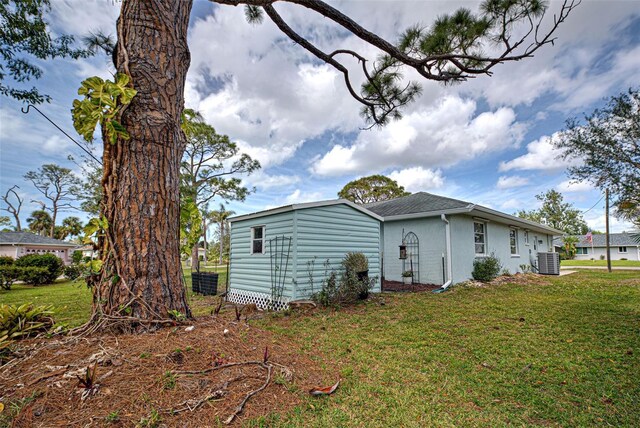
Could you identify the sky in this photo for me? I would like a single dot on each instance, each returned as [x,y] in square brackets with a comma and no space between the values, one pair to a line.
[485,141]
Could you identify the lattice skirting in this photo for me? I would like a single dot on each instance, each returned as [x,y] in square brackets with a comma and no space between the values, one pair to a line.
[261,300]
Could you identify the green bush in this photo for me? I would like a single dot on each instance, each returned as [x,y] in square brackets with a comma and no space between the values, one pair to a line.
[6,260]
[76,257]
[73,272]
[355,262]
[35,275]
[53,264]
[486,269]
[8,275]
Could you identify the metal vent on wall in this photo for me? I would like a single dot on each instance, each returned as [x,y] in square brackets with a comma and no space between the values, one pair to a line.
[549,263]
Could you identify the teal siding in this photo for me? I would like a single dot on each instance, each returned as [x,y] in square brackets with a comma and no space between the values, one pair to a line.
[318,234]
[252,272]
[328,233]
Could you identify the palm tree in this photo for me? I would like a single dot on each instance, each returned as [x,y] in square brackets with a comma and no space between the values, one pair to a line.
[72,226]
[221,217]
[40,222]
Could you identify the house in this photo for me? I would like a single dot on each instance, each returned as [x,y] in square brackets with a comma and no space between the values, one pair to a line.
[443,236]
[433,237]
[279,255]
[622,247]
[17,244]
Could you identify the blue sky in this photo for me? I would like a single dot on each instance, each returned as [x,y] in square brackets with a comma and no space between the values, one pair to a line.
[484,141]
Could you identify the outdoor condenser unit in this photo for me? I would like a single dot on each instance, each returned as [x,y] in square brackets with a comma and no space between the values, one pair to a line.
[549,263]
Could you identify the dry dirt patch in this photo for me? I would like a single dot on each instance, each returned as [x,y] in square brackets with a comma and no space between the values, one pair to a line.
[141,376]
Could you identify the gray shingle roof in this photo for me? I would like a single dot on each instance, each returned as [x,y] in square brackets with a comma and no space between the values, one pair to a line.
[420,202]
[28,238]
[616,240]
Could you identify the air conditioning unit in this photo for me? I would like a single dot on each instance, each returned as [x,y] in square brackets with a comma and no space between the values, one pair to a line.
[549,263]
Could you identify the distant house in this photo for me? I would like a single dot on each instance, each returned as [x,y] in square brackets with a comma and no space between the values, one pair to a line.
[622,246]
[17,244]
[434,238]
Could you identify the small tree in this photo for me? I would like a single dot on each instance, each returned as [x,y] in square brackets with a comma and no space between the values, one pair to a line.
[13,207]
[58,185]
[221,217]
[608,144]
[557,214]
[208,168]
[568,248]
[39,222]
[374,188]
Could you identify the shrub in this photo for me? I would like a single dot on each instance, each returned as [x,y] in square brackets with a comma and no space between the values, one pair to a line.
[407,274]
[486,269]
[8,275]
[76,257]
[623,258]
[35,275]
[355,262]
[6,260]
[53,264]
[525,268]
[18,322]
[73,272]
[601,256]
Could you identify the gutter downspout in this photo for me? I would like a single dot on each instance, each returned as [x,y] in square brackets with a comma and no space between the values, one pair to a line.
[449,262]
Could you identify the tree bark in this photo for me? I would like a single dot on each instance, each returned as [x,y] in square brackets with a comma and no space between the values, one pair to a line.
[141,275]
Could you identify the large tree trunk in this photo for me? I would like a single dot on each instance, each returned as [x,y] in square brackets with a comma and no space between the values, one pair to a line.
[141,275]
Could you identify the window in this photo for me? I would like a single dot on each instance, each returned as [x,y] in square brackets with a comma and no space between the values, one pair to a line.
[257,240]
[513,241]
[535,243]
[480,237]
[622,249]
[526,237]
[582,250]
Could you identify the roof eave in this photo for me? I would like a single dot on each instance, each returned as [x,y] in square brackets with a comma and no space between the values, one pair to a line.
[513,219]
[305,205]
[436,213]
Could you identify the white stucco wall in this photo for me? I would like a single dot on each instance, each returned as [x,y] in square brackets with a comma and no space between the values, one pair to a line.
[463,246]
[633,253]
[431,236]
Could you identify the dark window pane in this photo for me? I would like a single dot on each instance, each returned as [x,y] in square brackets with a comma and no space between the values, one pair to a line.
[257,246]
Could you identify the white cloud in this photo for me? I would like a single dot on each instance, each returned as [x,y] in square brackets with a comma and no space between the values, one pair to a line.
[265,181]
[511,204]
[431,136]
[418,179]
[298,197]
[508,182]
[575,186]
[541,155]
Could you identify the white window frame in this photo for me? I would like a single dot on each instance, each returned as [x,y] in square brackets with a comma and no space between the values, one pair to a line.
[535,243]
[526,237]
[484,235]
[264,232]
[625,250]
[517,247]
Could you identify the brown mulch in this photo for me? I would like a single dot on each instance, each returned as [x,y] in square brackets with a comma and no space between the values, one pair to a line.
[138,375]
[397,286]
[518,278]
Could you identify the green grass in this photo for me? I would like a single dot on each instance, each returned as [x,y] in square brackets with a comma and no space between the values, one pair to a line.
[616,263]
[565,354]
[72,300]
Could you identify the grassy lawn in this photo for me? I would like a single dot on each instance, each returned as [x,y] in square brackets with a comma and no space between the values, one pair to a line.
[617,263]
[72,300]
[562,354]
[565,354]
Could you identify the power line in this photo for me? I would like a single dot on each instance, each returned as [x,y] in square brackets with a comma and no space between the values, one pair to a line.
[29,106]
[594,205]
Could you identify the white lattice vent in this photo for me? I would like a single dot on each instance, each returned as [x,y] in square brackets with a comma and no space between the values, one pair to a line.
[261,300]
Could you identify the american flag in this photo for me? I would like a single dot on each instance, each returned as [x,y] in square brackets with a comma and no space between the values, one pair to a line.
[589,238]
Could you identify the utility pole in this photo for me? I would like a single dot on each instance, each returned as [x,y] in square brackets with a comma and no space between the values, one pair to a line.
[606,211]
